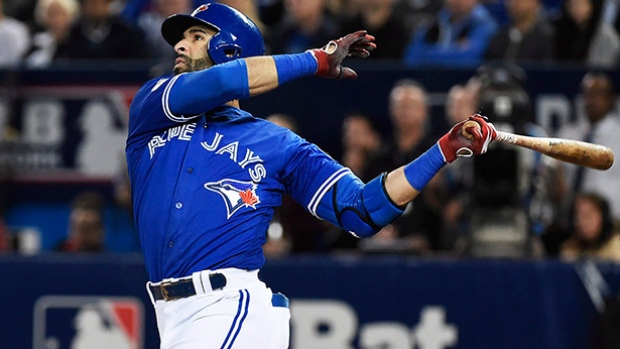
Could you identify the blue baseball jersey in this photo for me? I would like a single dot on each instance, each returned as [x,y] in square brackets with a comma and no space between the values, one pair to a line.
[204,187]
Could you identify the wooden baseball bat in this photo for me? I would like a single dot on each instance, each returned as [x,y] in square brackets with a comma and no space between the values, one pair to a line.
[569,150]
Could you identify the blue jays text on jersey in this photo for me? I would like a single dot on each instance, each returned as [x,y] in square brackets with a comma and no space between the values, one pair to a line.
[204,187]
[206,178]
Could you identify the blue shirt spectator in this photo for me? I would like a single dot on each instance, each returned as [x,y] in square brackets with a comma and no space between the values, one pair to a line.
[457,37]
[307,24]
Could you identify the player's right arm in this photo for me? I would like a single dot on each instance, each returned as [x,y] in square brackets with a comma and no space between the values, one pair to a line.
[363,209]
[403,184]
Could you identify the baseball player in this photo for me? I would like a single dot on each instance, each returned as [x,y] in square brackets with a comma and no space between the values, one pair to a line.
[206,176]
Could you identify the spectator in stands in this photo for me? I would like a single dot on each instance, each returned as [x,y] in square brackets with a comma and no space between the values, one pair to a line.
[271,12]
[306,24]
[293,230]
[133,9]
[461,101]
[380,18]
[360,140]
[150,24]
[14,40]
[55,18]
[86,228]
[601,125]
[611,14]
[592,233]
[529,37]
[417,230]
[458,36]
[419,13]
[250,9]
[100,34]
[582,38]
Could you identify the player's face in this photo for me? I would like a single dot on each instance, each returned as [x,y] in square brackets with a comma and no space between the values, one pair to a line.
[192,50]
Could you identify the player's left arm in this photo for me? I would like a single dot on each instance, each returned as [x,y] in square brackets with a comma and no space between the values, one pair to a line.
[268,72]
[193,93]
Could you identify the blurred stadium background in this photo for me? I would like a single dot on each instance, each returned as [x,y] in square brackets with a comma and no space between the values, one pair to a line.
[62,134]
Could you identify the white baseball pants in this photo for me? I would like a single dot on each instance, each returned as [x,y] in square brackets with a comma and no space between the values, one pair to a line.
[239,316]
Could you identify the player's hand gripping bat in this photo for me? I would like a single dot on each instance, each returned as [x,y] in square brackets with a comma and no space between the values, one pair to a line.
[569,150]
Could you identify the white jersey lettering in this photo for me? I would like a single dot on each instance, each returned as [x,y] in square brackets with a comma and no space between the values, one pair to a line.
[249,159]
[257,172]
[183,132]
[231,149]
[214,144]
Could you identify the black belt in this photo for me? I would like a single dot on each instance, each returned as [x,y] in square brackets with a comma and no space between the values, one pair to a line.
[184,288]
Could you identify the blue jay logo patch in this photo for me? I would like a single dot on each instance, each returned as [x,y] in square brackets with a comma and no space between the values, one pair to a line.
[236,194]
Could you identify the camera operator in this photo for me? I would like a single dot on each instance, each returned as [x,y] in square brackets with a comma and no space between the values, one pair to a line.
[514,189]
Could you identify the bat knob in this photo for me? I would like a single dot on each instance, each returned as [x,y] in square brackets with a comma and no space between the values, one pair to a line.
[466,130]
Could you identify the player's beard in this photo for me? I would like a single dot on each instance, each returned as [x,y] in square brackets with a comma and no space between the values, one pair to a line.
[193,65]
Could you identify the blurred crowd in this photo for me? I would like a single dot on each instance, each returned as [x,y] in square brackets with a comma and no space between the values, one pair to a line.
[36,33]
[509,203]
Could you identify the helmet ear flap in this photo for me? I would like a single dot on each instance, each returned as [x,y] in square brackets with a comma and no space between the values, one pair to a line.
[232,52]
[223,49]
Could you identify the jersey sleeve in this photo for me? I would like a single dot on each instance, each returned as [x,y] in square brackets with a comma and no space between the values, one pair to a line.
[333,193]
[147,112]
[310,173]
[165,102]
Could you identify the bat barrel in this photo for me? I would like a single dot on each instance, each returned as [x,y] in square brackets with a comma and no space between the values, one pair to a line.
[576,152]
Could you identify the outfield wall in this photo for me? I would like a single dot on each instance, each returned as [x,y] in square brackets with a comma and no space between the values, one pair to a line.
[51,301]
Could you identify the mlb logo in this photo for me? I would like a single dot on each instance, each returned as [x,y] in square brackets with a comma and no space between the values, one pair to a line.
[80,322]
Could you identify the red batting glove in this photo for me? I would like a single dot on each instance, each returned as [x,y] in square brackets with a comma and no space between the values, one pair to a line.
[330,56]
[455,144]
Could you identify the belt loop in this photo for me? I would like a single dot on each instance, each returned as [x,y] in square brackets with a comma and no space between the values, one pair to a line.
[198,283]
[149,291]
[205,280]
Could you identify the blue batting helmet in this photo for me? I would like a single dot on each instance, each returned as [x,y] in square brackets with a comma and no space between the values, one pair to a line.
[237,36]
